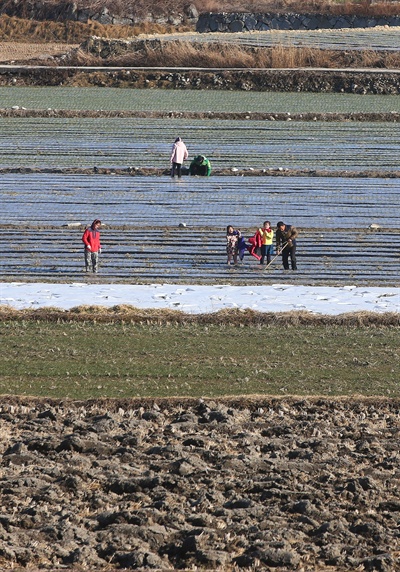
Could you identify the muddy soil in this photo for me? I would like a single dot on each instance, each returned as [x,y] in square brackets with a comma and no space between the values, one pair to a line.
[260,484]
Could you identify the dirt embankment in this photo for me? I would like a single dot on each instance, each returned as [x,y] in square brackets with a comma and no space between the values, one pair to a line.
[256,483]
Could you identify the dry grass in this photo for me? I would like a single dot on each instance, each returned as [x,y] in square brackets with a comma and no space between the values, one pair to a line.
[216,55]
[24,30]
[180,53]
[129,314]
[24,52]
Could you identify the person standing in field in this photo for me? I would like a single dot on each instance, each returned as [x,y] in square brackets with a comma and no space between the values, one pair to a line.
[267,235]
[179,153]
[285,239]
[232,244]
[91,240]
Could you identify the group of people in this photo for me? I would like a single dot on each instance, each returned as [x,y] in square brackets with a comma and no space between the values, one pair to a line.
[261,244]
[200,165]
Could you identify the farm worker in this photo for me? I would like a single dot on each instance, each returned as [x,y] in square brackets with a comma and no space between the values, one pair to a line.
[285,239]
[200,166]
[178,154]
[91,240]
[267,235]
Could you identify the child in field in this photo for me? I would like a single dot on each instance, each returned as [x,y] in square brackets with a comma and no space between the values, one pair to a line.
[91,240]
[232,243]
[267,235]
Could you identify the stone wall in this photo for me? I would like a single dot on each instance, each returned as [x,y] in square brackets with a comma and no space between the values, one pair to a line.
[242,22]
[379,82]
[205,22]
[65,11]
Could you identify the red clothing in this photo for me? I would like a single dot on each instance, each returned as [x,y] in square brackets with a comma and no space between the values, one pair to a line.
[91,239]
[255,243]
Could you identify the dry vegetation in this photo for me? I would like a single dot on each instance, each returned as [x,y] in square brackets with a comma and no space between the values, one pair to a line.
[14,32]
[24,30]
[127,314]
[218,55]
[35,42]
[141,8]
[27,30]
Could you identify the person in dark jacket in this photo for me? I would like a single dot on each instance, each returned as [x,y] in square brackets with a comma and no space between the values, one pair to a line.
[285,239]
[91,240]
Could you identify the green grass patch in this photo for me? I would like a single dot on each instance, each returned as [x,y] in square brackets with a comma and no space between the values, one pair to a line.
[82,360]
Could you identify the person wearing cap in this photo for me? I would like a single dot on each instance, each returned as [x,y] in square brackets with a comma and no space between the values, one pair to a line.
[200,166]
[179,153]
[285,240]
[91,240]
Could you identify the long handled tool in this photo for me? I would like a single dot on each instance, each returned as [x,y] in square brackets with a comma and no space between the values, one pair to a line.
[275,257]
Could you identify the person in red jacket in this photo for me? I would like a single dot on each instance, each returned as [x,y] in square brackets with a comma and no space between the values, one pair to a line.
[91,240]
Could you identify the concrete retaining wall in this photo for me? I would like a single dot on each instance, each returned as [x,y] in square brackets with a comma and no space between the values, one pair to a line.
[242,22]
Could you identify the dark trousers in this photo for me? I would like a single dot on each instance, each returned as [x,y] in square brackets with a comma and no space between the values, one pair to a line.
[176,168]
[289,252]
[266,251]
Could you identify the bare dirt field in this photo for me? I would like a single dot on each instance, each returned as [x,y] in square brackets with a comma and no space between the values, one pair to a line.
[257,484]
[23,52]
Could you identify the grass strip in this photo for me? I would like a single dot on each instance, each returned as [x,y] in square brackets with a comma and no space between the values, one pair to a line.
[92,359]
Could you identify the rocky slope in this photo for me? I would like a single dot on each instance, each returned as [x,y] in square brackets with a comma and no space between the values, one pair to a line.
[265,484]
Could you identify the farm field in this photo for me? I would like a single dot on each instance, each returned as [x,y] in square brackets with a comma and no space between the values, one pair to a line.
[158,202]
[194,360]
[53,143]
[105,98]
[160,443]
[142,237]
[377,38]
[143,241]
